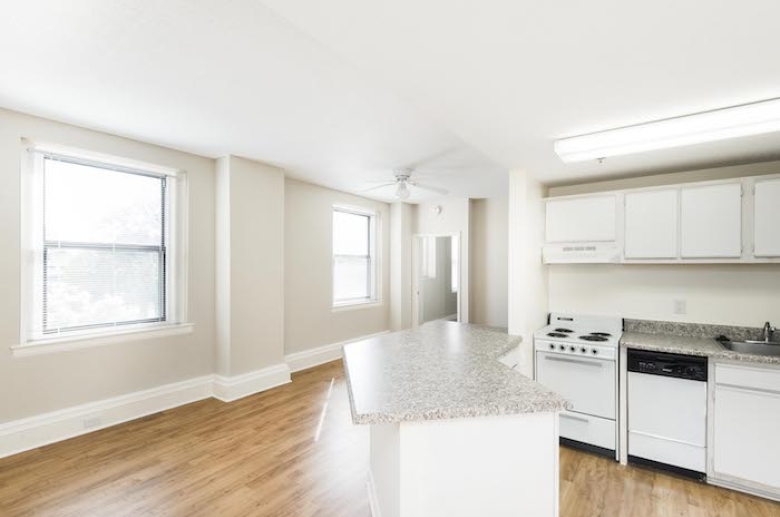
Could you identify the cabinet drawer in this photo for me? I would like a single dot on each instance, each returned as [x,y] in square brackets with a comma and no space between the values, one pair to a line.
[750,377]
[588,429]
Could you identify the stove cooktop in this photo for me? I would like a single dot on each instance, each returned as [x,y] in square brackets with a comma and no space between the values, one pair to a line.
[564,328]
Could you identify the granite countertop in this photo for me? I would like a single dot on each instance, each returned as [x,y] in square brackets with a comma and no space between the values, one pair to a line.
[439,370]
[690,345]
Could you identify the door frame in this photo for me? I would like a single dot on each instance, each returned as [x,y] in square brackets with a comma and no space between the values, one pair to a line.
[416,240]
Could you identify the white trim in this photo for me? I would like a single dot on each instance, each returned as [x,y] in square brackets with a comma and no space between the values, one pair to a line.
[375,263]
[747,487]
[323,354]
[79,341]
[39,430]
[33,432]
[351,306]
[373,498]
[228,389]
[99,158]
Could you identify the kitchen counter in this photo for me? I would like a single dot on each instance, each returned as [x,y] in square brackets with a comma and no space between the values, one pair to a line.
[453,431]
[440,370]
[699,346]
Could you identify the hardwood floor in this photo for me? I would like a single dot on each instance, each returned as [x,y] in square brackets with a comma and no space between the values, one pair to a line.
[291,451]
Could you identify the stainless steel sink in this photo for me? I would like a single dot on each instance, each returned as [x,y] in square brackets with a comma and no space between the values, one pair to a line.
[753,347]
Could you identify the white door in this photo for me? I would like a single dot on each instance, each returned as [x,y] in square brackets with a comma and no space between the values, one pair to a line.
[586,219]
[711,221]
[651,224]
[589,384]
[767,218]
[746,434]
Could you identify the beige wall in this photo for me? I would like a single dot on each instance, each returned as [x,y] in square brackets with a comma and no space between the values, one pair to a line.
[489,261]
[40,383]
[401,220]
[310,320]
[250,265]
[735,294]
[744,294]
[528,289]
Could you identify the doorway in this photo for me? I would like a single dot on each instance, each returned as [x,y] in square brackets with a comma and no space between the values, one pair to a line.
[437,278]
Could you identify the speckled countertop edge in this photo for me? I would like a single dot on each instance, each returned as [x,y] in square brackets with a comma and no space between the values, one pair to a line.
[529,397]
[660,337]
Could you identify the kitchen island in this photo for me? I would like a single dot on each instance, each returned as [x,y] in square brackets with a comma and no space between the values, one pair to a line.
[454,432]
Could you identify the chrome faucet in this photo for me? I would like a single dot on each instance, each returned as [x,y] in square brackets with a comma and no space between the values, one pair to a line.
[769,332]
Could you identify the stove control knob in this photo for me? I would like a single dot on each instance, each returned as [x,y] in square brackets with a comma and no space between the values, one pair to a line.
[584,350]
[562,347]
[573,348]
[552,347]
[595,352]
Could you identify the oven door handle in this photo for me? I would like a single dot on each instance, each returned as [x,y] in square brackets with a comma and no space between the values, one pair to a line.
[574,361]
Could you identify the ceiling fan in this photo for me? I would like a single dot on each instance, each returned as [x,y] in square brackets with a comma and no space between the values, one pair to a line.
[403,181]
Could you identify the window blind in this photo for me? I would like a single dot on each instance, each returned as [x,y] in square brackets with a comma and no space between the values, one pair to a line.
[101,250]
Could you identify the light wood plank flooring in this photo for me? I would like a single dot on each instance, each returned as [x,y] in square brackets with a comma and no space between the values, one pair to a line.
[291,451]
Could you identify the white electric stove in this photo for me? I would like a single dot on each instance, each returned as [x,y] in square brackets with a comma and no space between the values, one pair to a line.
[576,356]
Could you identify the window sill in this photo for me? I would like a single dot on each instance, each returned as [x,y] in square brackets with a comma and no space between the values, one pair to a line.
[352,306]
[76,342]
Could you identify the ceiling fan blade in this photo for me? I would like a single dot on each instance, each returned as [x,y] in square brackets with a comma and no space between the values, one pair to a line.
[383,185]
[429,187]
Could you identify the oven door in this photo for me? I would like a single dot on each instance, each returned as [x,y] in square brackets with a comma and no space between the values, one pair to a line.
[588,383]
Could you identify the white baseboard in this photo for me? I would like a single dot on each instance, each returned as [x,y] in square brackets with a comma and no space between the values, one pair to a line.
[228,389]
[39,430]
[33,432]
[373,500]
[323,354]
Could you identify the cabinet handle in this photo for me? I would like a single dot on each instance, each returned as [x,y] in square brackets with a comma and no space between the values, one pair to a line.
[749,390]
[575,418]
[574,361]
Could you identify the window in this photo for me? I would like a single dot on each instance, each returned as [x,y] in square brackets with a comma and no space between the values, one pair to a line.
[102,241]
[354,264]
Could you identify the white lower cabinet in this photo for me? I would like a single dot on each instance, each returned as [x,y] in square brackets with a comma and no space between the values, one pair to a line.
[746,429]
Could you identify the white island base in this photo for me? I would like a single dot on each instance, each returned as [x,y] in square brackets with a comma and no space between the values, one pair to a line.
[496,466]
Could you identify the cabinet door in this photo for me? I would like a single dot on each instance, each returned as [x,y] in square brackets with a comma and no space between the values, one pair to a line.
[745,435]
[651,225]
[767,218]
[711,221]
[587,219]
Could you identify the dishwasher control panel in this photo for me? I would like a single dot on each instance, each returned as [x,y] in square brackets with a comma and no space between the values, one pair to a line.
[686,367]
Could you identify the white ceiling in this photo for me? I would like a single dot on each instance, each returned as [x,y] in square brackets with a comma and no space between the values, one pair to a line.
[343,91]
[511,76]
[219,78]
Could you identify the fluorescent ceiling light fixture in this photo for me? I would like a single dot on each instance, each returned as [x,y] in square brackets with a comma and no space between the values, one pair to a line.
[710,126]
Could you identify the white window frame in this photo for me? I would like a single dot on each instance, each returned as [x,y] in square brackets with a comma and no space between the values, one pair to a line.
[375,297]
[176,262]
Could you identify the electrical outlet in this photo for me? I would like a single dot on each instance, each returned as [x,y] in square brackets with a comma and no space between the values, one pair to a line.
[680,307]
[92,421]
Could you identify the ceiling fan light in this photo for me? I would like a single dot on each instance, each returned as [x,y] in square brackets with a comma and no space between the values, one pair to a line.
[402,192]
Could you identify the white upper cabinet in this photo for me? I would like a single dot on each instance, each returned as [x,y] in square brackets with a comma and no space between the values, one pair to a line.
[711,221]
[651,224]
[582,219]
[766,218]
